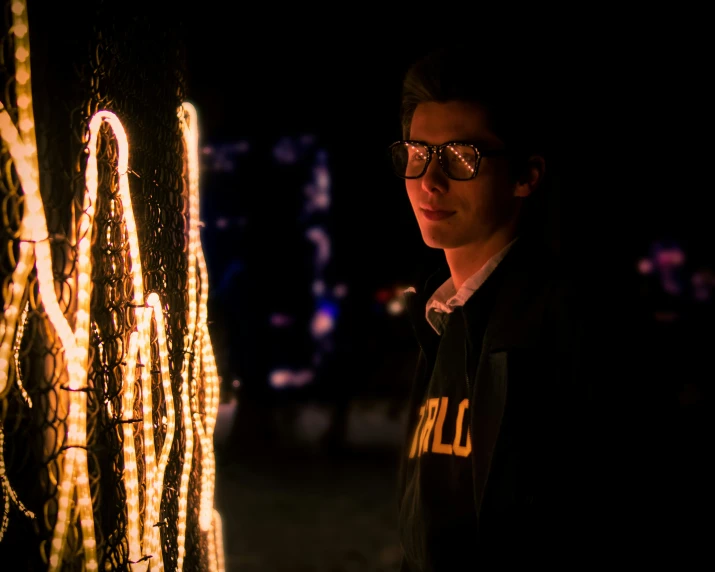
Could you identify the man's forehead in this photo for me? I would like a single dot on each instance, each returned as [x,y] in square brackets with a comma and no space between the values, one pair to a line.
[437,122]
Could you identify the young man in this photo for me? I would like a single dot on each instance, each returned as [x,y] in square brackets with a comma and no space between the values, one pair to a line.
[496,461]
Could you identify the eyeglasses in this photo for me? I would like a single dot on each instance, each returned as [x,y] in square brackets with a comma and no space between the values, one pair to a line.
[459,160]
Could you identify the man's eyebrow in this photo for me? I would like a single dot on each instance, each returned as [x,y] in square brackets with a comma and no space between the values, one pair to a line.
[467,141]
[475,142]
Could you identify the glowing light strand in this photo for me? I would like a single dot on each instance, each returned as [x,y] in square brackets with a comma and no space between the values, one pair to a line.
[201,343]
[200,296]
[146,545]
[203,352]
[154,303]
[22,146]
[186,468]
[211,385]
[186,118]
[34,246]
[78,408]
[131,477]
[218,532]
[212,556]
[152,489]
[34,251]
[8,492]
[6,489]
[16,354]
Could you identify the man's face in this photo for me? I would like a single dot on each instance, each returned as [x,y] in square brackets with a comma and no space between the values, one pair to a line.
[454,214]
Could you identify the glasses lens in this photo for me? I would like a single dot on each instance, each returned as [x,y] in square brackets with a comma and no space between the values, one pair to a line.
[409,159]
[459,161]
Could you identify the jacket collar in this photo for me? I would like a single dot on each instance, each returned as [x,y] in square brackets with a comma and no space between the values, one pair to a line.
[515,319]
[415,305]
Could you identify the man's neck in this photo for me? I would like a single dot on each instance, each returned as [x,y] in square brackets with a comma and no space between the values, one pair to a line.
[465,261]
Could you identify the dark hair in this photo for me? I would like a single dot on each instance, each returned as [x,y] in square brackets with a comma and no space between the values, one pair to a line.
[508,89]
[512,91]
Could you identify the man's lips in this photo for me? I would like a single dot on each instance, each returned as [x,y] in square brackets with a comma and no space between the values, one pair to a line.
[431,214]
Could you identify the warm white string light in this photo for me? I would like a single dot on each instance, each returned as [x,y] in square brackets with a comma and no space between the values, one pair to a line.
[7,492]
[34,251]
[22,145]
[33,226]
[16,354]
[211,388]
[198,323]
[154,303]
[34,246]
[25,147]
[148,545]
[191,141]
[186,468]
[208,362]
[218,533]
[131,475]
[212,556]
[197,309]
[152,489]
[77,416]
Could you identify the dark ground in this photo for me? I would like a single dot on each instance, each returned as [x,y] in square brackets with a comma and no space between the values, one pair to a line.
[299,508]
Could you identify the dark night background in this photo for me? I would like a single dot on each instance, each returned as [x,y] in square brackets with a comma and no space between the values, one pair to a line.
[294,103]
[631,172]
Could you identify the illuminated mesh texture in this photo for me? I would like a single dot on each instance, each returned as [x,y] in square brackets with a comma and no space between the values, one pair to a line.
[108,383]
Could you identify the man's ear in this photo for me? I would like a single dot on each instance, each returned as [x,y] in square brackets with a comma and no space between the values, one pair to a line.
[532,177]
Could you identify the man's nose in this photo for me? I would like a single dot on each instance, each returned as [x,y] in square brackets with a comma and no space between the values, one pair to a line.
[434,180]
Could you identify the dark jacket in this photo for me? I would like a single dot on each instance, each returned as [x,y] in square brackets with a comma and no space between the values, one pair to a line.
[531,418]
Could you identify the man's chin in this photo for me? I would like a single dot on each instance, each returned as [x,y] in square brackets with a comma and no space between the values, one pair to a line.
[438,242]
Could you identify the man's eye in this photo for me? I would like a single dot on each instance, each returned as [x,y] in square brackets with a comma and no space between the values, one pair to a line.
[462,154]
[418,157]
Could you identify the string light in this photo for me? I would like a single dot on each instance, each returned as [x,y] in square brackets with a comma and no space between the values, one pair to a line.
[78,414]
[152,489]
[143,536]
[205,430]
[213,557]
[16,355]
[218,531]
[198,337]
[22,146]
[154,303]
[187,418]
[131,477]
[8,492]
[211,382]
[208,362]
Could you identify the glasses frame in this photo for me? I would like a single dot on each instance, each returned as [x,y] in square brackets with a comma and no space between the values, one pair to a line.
[437,150]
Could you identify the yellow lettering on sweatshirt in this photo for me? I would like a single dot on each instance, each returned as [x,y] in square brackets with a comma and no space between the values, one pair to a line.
[433,416]
[459,449]
[415,439]
[432,406]
[437,445]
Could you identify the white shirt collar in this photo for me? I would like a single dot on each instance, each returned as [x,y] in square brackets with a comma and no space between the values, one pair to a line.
[445,299]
